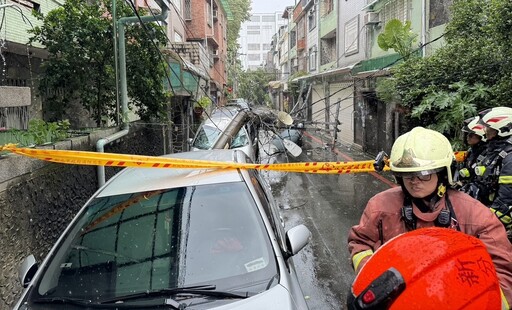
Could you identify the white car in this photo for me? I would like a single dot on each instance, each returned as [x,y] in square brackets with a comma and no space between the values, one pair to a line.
[173,239]
[239,102]
[228,128]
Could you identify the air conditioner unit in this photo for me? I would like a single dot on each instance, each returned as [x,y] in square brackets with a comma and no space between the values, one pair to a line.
[215,14]
[371,18]
[215,53]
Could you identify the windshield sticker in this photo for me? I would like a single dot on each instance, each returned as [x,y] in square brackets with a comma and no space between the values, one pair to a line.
[256,264]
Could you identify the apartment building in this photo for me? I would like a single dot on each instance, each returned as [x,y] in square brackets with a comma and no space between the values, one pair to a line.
[256,37]
[336,42]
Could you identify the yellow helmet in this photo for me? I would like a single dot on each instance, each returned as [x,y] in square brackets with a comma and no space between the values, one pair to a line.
[421,151]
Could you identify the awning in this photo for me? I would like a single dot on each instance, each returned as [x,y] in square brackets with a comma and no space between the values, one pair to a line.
[274,84]
[194,69]
[369,6]
[326,73]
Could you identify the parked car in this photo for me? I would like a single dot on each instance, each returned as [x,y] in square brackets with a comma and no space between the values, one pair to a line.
[239,102]
[173,239]
[228,127]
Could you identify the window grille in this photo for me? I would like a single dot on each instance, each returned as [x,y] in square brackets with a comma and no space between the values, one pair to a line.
[188,10]
[312,58]
[311,19]
[398,9]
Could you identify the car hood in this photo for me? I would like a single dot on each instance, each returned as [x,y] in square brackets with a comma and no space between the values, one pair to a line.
[277,298]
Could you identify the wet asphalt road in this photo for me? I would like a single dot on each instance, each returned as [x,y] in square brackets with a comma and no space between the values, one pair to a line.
[328,205]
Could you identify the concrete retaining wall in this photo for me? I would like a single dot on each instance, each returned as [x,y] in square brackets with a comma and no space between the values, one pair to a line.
[38,199]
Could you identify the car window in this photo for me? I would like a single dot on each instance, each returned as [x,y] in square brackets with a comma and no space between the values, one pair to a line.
[206,137]
[269,206]
[241,139]
[137,242]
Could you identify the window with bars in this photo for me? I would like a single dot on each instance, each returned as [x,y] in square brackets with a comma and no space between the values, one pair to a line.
[398,9]
[253,46]
[209,17]
[312,19]
[188,10]
[312,58]
[293,38]
[352,36]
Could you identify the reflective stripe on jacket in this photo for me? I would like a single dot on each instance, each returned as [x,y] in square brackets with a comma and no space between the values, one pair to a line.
[473,217]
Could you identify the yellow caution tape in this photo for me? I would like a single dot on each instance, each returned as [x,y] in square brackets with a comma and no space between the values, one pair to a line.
[123,160]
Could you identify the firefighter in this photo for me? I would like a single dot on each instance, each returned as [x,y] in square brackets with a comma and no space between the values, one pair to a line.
[493,181]
[475,138]
[421,161]
[451,270]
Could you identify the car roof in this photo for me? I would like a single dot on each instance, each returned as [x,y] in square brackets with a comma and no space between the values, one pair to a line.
[131,180]
[239,102]
[221,117]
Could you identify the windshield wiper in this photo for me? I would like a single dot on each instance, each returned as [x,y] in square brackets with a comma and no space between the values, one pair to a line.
[100,251]
[64,300]
[205,290]
[89,304]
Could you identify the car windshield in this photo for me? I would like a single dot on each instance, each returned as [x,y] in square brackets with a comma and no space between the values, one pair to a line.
[206,137]
[125,244]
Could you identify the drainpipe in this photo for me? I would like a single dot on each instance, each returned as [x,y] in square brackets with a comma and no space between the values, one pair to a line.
[423,27]
[122,74]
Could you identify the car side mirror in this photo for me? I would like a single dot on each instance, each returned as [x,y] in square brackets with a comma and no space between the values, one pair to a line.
[297,238]
[27,270]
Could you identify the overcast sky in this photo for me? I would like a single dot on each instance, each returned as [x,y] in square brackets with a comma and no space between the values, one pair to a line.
[270,6]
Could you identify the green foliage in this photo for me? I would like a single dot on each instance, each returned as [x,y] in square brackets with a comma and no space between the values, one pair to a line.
[253,86]
[294,87]
[80,67]
[241,12]
[386,90]
[451,107]
[40,132]
[471,72]
[203,102]
[397,36]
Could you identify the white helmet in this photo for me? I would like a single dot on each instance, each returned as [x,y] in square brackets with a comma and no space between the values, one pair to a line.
[471,125]
[421,151]
[499,119]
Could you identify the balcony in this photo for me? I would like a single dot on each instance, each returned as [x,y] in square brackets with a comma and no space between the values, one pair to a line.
[212,41]
[297,12]
[301,44]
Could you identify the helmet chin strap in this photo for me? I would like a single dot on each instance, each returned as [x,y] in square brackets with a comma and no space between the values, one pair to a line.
[432,198]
